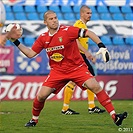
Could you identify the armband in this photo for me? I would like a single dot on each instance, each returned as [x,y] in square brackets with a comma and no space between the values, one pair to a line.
[82,32]
[16,42]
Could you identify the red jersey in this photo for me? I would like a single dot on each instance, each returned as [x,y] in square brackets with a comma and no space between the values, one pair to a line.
[61,48]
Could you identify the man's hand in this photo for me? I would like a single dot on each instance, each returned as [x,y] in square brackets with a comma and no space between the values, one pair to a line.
[90,57]
[14,34]
[3,39]
[105,54]
[93,60]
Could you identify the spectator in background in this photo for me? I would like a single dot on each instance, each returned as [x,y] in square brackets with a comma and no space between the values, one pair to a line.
[14,33]
[85,16]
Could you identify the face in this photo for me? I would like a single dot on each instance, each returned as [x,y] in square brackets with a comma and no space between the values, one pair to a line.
[51,21]
[86,14]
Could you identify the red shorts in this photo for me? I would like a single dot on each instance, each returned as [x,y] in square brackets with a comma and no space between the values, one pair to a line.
[58,79]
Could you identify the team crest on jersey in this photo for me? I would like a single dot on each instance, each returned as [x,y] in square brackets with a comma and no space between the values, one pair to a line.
[60,39]
[57,57]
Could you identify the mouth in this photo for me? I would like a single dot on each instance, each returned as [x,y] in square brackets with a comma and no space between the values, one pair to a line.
[55,24]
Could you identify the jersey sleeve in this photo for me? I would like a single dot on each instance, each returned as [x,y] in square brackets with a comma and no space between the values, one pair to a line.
[38,45]
[73,32]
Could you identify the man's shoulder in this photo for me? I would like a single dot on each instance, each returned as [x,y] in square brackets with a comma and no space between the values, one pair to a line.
[78,22]
[65,27]
[44,34]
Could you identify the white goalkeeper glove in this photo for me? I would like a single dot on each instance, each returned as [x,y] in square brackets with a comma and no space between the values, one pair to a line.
[105,53]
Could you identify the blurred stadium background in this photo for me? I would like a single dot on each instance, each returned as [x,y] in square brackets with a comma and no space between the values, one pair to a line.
[111,21]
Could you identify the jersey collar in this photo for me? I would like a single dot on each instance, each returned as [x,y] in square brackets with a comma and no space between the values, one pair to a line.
[82,21]
[55,32]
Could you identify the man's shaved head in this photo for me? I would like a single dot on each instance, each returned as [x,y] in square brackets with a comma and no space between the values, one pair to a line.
[47,13]
[82,9]
[85,13]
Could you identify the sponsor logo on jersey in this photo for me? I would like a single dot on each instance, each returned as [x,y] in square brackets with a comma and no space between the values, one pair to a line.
[57,57]
[54,48]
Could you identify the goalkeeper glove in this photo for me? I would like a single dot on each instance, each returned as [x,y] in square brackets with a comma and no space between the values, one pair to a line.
[105,53]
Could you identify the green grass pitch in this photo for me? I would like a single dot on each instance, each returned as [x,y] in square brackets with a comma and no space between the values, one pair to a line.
[14,114]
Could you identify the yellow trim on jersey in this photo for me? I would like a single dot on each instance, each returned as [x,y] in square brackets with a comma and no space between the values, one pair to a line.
[83,41]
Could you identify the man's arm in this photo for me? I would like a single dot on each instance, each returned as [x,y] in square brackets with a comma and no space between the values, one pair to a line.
[3,39]
[102,49]
[26,51]
[93,36]
[86,52]
[14,33]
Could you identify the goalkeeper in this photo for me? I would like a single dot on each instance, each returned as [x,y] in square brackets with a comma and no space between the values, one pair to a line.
[66,65]
[85,16]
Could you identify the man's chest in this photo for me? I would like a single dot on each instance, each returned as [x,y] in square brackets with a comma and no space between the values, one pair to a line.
[56,43]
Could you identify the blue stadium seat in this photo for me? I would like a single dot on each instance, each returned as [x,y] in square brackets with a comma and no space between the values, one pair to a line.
[106,40]
[77,15]
[66,9]
[41,9]
[117,16]
[93,9]
[8,43]
[8,8]
[128,16]
[118,40]
[10,16]
[91,43]
[76,9]
[29,9]
[105,16]
[28,41]
[102,9]
[41,16]
[20,16]
[129,41]
[21,40]
[114,9]
[60,16]
[126,9]
[95,16]
[32,16]
[17,8]
[69,16]
[54,8]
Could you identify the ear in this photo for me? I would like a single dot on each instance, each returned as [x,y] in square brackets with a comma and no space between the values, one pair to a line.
[45,22]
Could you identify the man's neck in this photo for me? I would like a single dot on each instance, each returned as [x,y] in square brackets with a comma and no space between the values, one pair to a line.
[83,21]
[53,31]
